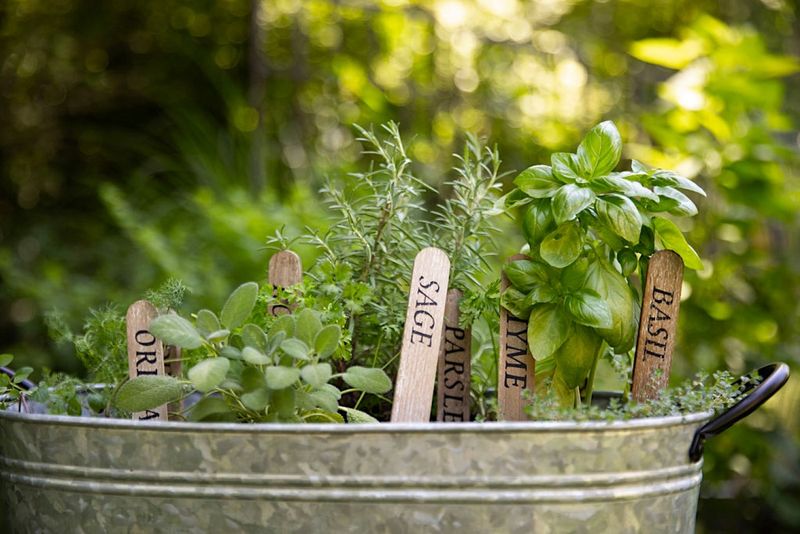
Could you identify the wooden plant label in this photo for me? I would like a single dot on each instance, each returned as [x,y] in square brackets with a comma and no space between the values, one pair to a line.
[453,388]
[145,352]
[285,269]
[422,337]
[516,367]
[657,325]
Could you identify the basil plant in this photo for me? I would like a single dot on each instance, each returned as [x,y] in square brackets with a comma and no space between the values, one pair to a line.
[588,230]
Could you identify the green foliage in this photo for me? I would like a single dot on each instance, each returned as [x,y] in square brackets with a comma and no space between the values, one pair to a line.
[258,369]
[584,222]
[703,393]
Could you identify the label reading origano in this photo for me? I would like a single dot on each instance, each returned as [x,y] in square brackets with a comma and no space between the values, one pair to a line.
[145,352]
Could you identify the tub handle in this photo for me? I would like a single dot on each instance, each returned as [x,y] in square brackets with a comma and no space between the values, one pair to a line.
[773,377]
[26,384]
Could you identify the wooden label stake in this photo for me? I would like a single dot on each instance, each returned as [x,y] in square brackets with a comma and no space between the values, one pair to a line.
[145,352]
[516,367]
[422,337]
[452,403]
[657,325]
[285,269]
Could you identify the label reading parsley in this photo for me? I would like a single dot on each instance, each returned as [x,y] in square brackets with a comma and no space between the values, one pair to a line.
[454,366]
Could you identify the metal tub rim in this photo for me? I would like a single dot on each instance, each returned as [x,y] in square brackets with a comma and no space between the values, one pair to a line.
[358,428]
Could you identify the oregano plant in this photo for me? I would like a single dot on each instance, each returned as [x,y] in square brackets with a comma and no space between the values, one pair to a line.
[589,228]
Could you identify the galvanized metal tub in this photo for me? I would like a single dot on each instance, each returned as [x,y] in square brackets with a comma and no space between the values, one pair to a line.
[75,474]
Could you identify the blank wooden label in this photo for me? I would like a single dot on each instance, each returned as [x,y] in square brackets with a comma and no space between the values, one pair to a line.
[422,337]
[657,325]
[145,352]
[454,365]
[285,269]
[516,367]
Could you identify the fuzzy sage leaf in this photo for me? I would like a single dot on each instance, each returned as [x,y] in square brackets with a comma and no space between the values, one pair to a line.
[239,305]
[147,393]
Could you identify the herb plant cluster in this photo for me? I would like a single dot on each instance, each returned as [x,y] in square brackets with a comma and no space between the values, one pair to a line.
[588,229]
[249,373]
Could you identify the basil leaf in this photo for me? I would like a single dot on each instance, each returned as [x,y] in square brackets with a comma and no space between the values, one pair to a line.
[575,357]
[574,275]
[548,328]
[624,183]
[569,201]
[600,150]
[670,178]
[618,296]
[672,239]
[537,181]
[539,295]
[587,308]
[628,261]
[562,246]
[524,275]
[537,222]
[621,215]
[239,305]
[683,205]
[516,303]
[565,167]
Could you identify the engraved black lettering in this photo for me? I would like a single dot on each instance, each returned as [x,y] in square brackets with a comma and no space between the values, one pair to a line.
[515,355]
[146,357]
[454,384]
[421,337]
[516,381]
[458,333]
[453,367]
[429,284]
[142,338]
[660,315]
[148,414]
[657,333]
[662,297]
[423,313]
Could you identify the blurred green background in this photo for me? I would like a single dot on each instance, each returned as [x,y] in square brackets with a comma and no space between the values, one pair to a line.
[140,140]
